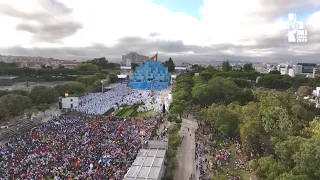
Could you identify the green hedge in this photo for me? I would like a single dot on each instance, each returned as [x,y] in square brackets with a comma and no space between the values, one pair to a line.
[109,112]
[171,156]
[121,112]
[134,107]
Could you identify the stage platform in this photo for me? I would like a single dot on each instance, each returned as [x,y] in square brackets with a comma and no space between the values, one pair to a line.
[150,75]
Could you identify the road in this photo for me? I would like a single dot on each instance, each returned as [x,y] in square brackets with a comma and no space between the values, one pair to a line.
[186,152]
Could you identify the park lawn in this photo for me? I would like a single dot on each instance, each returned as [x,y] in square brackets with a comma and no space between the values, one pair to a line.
[144,114]
[243,173]
[128,112]
[117,111]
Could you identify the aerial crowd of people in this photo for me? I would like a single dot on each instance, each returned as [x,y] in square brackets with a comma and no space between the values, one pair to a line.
[214,157]
[75,146]
[120,95]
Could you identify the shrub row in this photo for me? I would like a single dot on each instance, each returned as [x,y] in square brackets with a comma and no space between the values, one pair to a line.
[174,141]
[122,111]
[134,107]
[109,112]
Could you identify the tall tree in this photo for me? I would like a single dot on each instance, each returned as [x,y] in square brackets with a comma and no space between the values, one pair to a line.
[44,95]
[248,67]
[15,104]
[170,65]
[112,78]
[226,66]
[88,67]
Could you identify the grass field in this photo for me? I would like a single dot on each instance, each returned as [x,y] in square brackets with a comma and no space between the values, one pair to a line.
[145,114]
[127,112]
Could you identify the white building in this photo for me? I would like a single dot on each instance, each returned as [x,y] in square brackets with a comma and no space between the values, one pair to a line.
[70,102]
[290,70]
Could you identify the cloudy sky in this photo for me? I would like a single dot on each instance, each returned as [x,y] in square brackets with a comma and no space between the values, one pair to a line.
[187,30]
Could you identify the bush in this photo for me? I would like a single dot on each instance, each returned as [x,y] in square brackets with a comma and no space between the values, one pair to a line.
[178,120]
[174,140]
[172,117]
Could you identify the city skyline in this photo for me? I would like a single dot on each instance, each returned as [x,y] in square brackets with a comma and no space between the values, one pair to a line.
[201,31]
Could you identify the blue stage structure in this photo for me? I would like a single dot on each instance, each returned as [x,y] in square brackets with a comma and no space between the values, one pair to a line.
[150,75]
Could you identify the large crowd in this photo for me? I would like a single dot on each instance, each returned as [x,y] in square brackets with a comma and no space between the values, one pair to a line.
[75,147]
[120,95]
[215,158]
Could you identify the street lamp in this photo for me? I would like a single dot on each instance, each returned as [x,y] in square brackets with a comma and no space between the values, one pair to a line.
[102,86]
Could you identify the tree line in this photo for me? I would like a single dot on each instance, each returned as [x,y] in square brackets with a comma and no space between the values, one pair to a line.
[281,130]
[58,74]
[174,140]
[272,80]
[17,102]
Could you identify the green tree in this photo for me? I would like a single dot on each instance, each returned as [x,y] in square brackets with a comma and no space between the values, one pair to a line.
[267,168]
[88,67]
[201,94]
[43,95]
[196,68]
[240,82]
[226,66]
[184,78]
[182,86]
[75,88]
[96,84]
[100,75]
[112,78]
[102,62]
[174,141]
[307,159]
[275,72]
[15,104]
[43,107]
[87,80]
[274,81]
[170,65]
[304,90]
[223,119]
[182,95]
[178,107]
[199,79]
[248,67]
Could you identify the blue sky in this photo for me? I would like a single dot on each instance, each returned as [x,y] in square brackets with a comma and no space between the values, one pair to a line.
[301,16]
[190,7]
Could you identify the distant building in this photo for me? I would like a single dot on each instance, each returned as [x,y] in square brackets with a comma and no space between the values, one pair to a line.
[316,72]
[133,57]
[70,64]
[307,67]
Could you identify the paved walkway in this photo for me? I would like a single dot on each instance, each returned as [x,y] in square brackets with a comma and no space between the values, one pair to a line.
[186,152]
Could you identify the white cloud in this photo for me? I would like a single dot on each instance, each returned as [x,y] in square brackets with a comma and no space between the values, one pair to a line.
[314,21]
[106,21]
